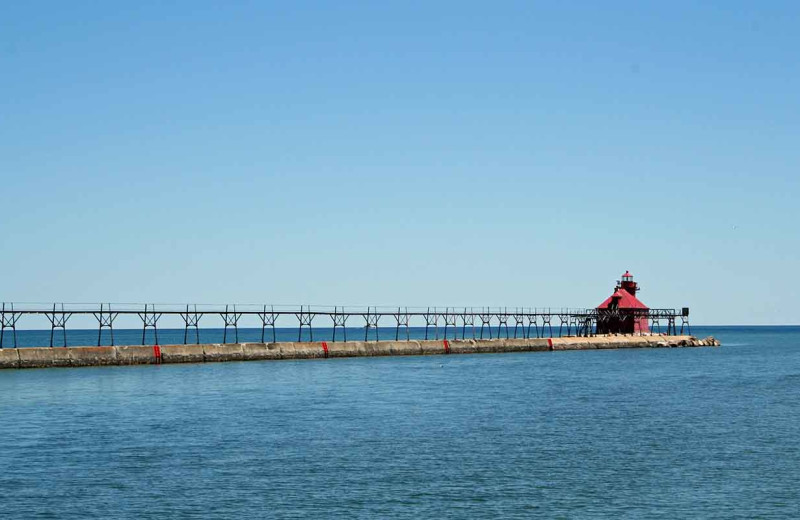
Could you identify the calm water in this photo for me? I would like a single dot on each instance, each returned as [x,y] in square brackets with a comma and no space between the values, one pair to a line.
[692,433]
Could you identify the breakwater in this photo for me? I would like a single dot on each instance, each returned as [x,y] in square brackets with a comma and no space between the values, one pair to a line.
[45,357]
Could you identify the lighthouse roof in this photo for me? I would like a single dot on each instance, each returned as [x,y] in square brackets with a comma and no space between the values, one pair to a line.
[627,274]
[626,301]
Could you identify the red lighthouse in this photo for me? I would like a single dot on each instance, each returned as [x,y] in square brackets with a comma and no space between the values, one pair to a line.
[622,312]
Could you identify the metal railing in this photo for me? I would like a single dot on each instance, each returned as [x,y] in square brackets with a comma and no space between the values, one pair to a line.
[472,322]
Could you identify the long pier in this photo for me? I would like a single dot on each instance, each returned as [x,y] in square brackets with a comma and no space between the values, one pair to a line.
[472,322]
[48,357]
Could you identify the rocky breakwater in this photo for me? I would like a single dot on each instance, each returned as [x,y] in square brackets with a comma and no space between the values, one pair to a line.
[621,341]
[43,357]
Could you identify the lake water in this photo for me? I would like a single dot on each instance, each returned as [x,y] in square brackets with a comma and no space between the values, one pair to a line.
[661,433]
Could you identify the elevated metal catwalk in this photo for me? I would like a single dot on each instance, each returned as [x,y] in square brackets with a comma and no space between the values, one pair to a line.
[528,322]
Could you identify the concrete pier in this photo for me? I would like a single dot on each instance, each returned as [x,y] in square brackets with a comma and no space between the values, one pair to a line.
[43,357]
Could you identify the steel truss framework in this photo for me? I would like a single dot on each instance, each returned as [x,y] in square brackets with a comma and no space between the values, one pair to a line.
[58,320]
[528,322]
[191,319]
[402,319]
[105,319]
[8,320]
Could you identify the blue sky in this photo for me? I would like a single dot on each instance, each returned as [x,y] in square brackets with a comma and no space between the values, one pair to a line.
[413,153]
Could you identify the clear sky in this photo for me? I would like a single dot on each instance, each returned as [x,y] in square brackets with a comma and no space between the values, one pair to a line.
[413,153]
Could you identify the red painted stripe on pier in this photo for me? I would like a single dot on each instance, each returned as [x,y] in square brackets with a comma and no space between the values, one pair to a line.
[157,354]
[446,347]
[325,348]
[550,343]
